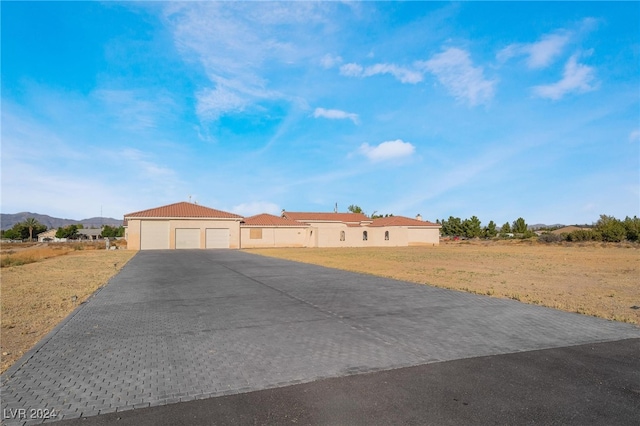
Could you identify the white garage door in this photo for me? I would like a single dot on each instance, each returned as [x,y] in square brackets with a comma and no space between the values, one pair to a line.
[217,238]
[187,238]
[154,235]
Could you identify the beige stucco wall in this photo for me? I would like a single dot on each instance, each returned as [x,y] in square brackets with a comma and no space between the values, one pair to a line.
[132,232]
[274,237]
[424,236]
[328,235]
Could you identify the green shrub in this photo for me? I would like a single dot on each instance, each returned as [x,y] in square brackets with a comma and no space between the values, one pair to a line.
[584,235]
[549,237]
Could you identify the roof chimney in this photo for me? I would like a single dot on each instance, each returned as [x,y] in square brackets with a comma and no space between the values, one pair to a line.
[419,217]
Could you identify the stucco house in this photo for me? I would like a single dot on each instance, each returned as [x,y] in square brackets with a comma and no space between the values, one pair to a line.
[46,236]
[89,234]
[188,225]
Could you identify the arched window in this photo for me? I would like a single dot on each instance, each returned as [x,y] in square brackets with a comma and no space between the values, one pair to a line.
[386,235]
[365,236]
[342,236]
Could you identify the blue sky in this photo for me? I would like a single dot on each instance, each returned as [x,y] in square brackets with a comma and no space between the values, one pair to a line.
[498,110]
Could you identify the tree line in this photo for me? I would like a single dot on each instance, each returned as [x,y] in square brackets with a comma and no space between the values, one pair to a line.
[472,228]
[607,228]
[30,228]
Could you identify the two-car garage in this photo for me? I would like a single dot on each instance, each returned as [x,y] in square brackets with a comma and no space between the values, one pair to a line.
[182,226]
[190,238]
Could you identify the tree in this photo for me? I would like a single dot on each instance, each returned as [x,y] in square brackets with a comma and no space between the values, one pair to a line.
[24,230]
[490,230]
[506,228]
[632,226]
[612,229]
[112,231]
[11,234]
[452,227]
[67,232]
[354,209]
[519,226]
[31,223]
[472,227]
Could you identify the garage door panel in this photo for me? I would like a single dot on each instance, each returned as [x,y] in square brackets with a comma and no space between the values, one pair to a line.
[187,238]
[154,235]
[217,238]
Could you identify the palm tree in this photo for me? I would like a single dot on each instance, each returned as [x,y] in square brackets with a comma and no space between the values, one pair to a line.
[31,223]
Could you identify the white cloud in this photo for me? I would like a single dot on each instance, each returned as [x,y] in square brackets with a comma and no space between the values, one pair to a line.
[403,75]
[329,61]
[456,73]
[256,207]
[576,78]
[539,54]
[351,70]
[634,136]
[335,114]
[211,103]
[388,150]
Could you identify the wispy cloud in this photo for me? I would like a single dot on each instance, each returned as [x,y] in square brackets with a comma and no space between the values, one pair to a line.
[634,136]
[211,103]
[455,71]
[576,78]
[335,114]
[539,54]
[403,75]
[389,150]
[329,61]
[233,42]
[135,110]
[148,169]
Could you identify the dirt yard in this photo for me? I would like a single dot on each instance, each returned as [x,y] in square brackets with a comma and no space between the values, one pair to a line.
[38,295]
[595,279]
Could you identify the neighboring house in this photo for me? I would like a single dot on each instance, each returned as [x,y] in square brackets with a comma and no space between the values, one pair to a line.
[187,225]
[89,234]
[182,225]
[49,235]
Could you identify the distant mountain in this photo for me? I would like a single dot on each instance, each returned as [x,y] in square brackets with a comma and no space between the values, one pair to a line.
[8,220]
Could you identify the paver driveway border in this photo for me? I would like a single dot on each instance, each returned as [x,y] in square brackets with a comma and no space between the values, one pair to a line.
[211,323]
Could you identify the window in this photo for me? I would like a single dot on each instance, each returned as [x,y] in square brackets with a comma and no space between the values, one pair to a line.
[365,236]
[386,235]
[255,233]
[342,236]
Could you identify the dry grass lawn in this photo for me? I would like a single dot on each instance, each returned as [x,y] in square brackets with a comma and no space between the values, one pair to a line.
[592,279]
[37,296]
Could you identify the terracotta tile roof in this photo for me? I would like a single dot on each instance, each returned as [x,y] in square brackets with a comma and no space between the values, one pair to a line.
[401,221]
[326,217]
[270,220]
[183,209]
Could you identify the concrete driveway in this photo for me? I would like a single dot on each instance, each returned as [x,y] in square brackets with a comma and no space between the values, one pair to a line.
[176,326]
